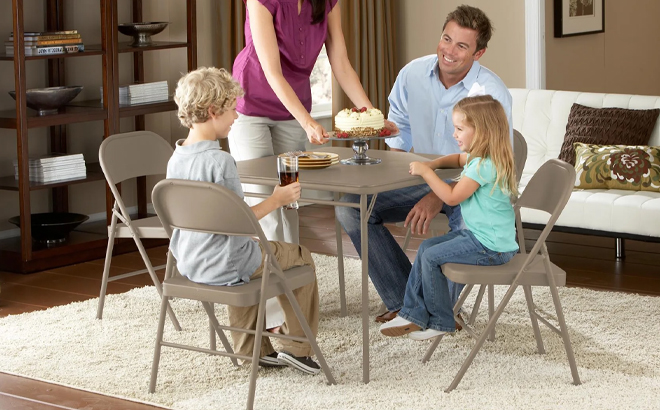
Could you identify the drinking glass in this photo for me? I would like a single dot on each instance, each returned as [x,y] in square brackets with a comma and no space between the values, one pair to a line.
[287,169]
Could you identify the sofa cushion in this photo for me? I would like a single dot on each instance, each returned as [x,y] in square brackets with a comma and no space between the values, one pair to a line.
[635,168]
[606,126]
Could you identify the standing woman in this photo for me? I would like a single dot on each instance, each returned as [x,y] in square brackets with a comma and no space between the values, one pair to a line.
[283,39]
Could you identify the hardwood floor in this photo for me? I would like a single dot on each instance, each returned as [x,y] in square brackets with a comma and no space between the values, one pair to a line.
[589,262]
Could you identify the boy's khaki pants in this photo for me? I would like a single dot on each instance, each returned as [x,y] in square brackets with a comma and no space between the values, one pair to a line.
[288,255]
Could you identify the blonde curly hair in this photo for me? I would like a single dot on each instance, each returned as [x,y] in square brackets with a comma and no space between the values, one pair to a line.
[204,88]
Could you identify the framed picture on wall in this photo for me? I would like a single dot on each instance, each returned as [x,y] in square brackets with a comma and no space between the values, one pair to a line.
[578,17]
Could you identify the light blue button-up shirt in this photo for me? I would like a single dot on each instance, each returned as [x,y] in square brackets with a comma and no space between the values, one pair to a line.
[421,106]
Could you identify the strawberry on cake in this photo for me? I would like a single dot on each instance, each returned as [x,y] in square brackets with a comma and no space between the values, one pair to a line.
[360,122]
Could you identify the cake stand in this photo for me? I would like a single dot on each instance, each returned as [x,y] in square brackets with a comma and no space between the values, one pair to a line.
[360,147]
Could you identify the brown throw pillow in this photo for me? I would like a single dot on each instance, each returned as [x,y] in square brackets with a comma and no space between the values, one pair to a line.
[635,168]
[606,126]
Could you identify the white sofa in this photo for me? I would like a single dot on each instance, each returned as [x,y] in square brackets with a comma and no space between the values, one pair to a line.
[541,117]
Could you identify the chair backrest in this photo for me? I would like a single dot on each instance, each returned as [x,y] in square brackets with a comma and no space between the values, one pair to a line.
[133,154]
[519,153]
[549,191]
[203,207]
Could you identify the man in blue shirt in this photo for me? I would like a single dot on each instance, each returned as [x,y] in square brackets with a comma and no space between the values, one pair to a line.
[421,104]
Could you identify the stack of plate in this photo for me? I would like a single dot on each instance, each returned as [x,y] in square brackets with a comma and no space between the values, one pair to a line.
[313,159]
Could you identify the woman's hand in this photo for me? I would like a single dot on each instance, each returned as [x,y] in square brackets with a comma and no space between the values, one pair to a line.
[284,195]
[316,133]
[392,127]
[418,168]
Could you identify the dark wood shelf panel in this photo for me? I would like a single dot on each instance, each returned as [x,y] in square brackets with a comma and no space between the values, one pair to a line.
[67,115]
[79,247]
[94,173]
[90,50]
[132,110]
[126,47]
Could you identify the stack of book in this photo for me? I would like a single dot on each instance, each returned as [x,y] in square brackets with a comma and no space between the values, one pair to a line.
[39,43]
[55,167]
[142,93]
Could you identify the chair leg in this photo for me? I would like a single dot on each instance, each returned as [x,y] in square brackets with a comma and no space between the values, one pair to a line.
[340,266]
[212,340]
[256,347]
[491,308]
[564,334]
[159,341]
[532,316]
[106,267]
[156,281]
[560,316]
[477,303]
[213,322]
[310,336]
[482,339]
[406,240]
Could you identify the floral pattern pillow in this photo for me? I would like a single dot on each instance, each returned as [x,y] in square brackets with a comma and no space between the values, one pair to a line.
[631,167]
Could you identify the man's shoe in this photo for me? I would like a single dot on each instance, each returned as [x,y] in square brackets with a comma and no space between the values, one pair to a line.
[426,334]
[386,317]
[398,327]
[270,360]
[303,363]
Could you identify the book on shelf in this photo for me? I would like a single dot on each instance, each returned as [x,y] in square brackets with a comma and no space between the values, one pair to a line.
[45,33]
[55,157]
[47,37]
[142,93]
[30,43]
[54,167]
[48,50]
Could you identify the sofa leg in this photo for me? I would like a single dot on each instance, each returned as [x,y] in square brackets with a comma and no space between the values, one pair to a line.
[620,249]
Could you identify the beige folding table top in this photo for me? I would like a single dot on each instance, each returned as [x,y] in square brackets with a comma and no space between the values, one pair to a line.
[391,173]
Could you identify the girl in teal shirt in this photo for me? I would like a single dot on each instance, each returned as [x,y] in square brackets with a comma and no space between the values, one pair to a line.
[484,192]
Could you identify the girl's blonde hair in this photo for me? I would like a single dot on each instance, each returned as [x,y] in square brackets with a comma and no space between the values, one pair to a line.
[202,89]
[491,137]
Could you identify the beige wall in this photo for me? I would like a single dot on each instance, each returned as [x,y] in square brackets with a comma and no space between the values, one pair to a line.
[620,60]
[420,25]
[84,15]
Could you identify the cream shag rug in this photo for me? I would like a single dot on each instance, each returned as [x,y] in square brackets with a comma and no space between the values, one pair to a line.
[616,338]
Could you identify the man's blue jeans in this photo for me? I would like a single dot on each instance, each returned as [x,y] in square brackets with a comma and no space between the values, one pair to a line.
[389,266]
[428,302]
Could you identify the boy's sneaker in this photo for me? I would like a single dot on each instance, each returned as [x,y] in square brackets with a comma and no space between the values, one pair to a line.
[303,363]
[270,360]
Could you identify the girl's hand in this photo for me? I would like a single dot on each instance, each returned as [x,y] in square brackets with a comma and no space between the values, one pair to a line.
[285,195]
[316,133]
[392,127]
[418,168]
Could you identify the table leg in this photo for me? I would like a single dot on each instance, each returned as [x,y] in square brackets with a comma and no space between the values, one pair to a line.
[365,287]
[340,265]
[365,213]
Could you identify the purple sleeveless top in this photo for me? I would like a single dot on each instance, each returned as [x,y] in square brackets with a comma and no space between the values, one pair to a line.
[299,42]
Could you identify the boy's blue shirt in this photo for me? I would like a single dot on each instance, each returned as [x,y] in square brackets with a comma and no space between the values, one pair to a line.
[207,258]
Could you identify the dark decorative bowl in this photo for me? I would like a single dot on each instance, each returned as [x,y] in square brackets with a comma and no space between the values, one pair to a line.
[49,100]
[142,32]
[52,227]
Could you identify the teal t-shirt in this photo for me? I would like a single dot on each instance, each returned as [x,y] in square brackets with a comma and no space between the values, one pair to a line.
[488,212]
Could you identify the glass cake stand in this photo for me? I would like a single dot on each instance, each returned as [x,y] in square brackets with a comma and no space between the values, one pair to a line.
[360,147]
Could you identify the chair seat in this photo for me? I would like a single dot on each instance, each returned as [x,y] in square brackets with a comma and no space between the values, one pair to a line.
[146,228]
[242,295]
[504,274]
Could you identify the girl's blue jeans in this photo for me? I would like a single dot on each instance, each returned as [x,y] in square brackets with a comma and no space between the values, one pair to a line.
[427,301]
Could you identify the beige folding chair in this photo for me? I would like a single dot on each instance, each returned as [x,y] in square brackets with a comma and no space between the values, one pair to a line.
[548,190]
[440,224]
[193,206]
[123,157]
